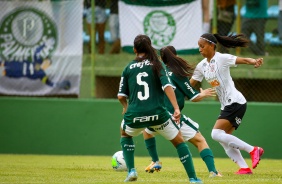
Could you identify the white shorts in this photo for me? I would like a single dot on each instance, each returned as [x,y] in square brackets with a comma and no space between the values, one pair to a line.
[100,15]
[188,129]
[168,130]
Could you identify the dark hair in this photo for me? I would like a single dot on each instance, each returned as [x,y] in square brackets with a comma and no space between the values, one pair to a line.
[230,41]
[142,44]
[177,65]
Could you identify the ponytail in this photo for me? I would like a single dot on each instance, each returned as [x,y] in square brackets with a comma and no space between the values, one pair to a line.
[230,41]
[142,44]
[176,64]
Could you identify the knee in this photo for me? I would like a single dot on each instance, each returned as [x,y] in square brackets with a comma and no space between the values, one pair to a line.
[217,134]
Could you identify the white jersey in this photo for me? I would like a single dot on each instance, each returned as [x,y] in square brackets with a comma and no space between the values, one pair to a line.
[217,73]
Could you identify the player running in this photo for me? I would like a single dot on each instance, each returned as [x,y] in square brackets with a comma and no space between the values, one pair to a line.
[215,68]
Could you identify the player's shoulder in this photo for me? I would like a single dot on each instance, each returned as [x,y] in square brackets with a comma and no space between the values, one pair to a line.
[202,63]
[219,55]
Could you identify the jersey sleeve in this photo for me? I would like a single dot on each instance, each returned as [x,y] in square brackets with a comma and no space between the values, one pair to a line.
[123,85]
[165,80]
[183,84]
[198,74]
[228,60]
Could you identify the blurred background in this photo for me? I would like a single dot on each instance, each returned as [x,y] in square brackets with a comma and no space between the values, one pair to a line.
[222,17]
[114,23]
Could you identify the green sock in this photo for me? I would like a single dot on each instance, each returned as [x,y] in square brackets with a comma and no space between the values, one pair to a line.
[128,148]
[152,149]
[186,159]
[207,157]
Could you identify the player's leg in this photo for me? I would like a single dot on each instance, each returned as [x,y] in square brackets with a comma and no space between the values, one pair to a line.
[128,149]
[150,143]
[170,131]
[229,120]
[190,132]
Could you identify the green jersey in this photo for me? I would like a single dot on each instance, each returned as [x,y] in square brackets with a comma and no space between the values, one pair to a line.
[183,89]
[145,92]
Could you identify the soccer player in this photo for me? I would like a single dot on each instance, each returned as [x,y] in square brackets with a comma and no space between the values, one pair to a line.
[145,82]
[179,71]
[32,70]
[215,68]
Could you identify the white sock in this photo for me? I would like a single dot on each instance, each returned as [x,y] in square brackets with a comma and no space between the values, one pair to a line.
[230,140]
[235,155]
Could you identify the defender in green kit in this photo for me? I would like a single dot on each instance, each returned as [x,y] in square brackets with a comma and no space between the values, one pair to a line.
[179,71]
[145,83]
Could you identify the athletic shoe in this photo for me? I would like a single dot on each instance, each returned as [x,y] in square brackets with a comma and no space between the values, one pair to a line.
[154,166]
[244,171]
[213,174]
[255,155]
[197,180]
[132,176]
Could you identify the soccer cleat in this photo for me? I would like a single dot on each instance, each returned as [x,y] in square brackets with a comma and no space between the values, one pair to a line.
[154,166]
[244,171]
[255,155]
[197,180]
[132,176]
[213,174]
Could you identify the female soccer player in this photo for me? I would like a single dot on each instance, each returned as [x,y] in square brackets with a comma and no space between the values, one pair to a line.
[179,71]
[215,68]
[145,82]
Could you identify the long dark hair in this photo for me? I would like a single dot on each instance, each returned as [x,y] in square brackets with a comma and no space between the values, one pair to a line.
[177,65]
[142,44]
[230,41]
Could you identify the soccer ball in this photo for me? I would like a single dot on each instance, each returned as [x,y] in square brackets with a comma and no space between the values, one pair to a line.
[118,162]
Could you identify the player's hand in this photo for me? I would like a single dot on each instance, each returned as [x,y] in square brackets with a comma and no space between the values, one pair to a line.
[258,62]
[208,92]
[176,116]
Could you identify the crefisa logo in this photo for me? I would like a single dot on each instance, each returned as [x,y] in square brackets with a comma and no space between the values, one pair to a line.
[160,26]
[23,30]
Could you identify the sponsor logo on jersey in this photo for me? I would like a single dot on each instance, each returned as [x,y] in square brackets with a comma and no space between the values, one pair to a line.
[145,118]
[189,87]
[120,84]
[22,31]
[140,64]
[160,26]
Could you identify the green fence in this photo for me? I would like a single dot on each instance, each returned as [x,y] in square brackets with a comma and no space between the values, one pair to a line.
[91,127]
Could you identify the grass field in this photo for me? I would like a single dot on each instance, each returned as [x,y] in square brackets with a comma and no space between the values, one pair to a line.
[18,169]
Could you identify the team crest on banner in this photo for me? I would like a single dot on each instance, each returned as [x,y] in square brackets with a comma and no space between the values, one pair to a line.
[177,23]
[160,26]
[23,31]
[39,54]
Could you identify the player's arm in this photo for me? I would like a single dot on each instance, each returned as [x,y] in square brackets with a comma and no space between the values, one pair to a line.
[191,93]
[172,98]
[250,61]
[204,93]
[193,82]
[123,101]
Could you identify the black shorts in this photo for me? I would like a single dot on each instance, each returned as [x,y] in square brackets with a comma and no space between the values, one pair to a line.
[234,113]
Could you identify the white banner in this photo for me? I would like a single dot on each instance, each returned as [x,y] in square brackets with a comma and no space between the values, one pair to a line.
[40,47]
[177,25]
